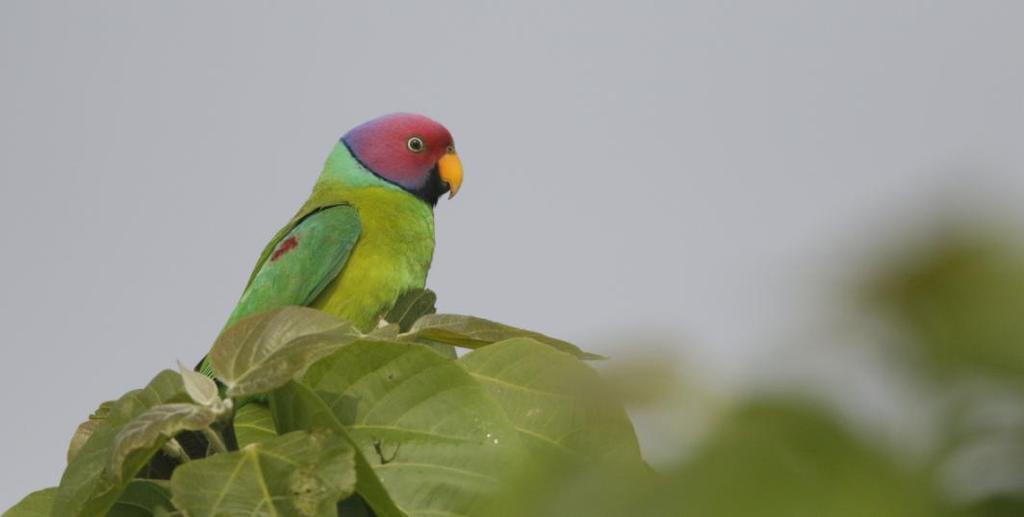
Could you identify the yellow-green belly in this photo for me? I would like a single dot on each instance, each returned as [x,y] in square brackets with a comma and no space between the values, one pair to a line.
[391,257]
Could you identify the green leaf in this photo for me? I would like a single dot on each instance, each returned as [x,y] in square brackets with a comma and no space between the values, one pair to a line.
[298,473]
[473,332]
[961,298]
[201,388]
[407,310]
[295,407]
[560,406]
[789,458]
[388,332]
[36,504]
[263,352]
[253,424]
[86,487]
[85,429]
[410,307]
[143,498]
[437,441]
[143,436]
[82,434]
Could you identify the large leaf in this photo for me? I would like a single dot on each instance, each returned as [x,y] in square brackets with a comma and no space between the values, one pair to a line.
[473,332]
[36,504]
[139,439]
[295,407]
[298,473]
[559,404]
[86,487]
[142,498]
[262,352]
[437,441]
[253,423]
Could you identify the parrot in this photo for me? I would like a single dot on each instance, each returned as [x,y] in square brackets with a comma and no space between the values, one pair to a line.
[365,236]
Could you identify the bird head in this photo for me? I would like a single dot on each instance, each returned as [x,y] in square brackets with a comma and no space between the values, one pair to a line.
[410,151]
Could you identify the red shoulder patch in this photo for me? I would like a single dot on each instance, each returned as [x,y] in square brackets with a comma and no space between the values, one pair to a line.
[289,244]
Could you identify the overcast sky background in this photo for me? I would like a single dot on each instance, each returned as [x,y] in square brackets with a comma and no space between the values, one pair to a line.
[694,171]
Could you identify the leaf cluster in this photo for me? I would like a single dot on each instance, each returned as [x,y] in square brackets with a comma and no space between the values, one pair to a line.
[313,418]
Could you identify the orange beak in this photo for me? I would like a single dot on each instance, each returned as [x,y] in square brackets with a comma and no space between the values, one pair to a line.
[450,169]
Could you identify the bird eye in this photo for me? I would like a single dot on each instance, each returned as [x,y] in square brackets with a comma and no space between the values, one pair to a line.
[415,144]
[450,149]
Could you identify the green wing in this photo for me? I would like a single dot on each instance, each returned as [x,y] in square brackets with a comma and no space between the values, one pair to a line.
[297,265]
[301,263]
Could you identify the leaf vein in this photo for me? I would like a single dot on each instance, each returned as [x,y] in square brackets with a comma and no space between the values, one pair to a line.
[407,464]
[503,382]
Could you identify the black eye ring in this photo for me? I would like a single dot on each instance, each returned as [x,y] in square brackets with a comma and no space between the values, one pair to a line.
[415,144]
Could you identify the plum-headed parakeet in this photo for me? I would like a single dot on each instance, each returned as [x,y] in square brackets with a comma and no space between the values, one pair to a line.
[366,234]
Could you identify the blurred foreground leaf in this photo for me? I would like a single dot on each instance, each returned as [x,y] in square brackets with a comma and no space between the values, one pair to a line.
[788,459]
[962,299]
[999,506]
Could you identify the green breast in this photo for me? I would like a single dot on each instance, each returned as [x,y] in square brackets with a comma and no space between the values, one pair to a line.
[392,255]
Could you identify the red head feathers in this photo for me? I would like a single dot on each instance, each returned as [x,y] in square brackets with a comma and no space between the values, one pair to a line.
[409,150]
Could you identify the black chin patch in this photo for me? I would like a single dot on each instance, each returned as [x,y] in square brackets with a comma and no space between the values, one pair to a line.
[433,189]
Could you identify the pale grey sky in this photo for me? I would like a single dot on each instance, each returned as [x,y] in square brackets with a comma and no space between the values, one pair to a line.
[690,168]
